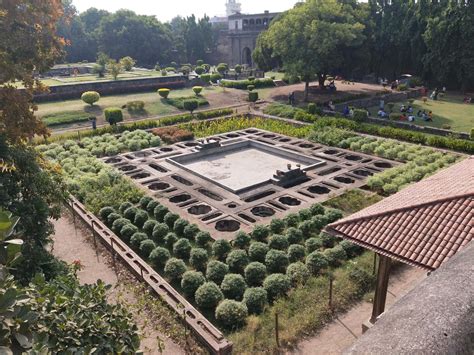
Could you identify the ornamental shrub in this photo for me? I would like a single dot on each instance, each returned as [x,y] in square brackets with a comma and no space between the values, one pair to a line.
[241,240]
[136,106]
[206,78]
[127,232]
[191,281]
[149,226]
[319,222]
[144,201]
[216,271]
[237,261]
[250,87]
[170,239]
[113,115]
[233,286]
[118,224]
[179,226]
[182,249]
[306,228]
[216,77]
[90,97]
[312,108]
[260,233]
[190,231]
[238,68]
[328,240]
[335,256]
[140,218]
[351,249]
[258,251]
[159,256]
[255,273]
[231,314]
[170,218]
[253,96]
[112,218]
[222,68]
[313,244]
[160,212]
[146,247]
[174,269]
[130,213]
[316,262]
[208,295]
[332,215]
[255,299]
[106,212]
[364,280]
[203,239]
[197,90]
[276,285]
[164,93]
[305,214]
[160,230]
[292,220]
[199,70]
[190,105]
[220,249]
[151,206]
[296,253]
[278,242]
[294,235]
[277,225]
[298,273]
[198,258]
[124,206]
[276,261]
[360,115]
[137,239]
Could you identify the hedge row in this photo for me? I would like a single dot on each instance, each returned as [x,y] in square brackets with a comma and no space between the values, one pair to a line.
[243,84]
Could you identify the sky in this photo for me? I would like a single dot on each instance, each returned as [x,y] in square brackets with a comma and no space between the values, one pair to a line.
[165,10]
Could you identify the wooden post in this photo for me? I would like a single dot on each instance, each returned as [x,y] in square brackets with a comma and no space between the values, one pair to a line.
[277,333]
[331,280]
[95,241]
[383,276]
[375,264]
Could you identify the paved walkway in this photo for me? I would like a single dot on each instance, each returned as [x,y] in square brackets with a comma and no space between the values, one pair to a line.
[344,331]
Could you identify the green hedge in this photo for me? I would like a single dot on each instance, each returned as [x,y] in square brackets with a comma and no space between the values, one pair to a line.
[63,118]
[244,84]
[178,102]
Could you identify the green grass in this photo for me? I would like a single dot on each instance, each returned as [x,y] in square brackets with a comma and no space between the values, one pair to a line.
[353,201]
[447,111]
[63,118]
[277,75]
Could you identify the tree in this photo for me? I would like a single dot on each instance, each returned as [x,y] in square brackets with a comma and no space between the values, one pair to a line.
[191,105]
[90,97]
[310,39]
[127,63]
[114,68]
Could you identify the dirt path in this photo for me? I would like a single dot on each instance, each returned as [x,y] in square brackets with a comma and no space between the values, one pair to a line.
[72,244]
[344,331]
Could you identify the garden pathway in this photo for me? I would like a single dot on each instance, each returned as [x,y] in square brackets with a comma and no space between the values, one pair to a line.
[346,328]
[72,244]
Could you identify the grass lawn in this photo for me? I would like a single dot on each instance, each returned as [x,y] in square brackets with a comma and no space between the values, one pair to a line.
[277,75]
[353,201]
[154,106]
[447,111]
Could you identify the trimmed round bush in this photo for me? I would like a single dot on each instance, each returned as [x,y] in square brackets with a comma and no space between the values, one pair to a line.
[190,231]
[106,212]
[160,231]
[233,286]
[170,239]
[241,240]
[255,273]
[276,285]
[182,249]
[276,261]
[130,213]
[362,279]
[149,226]
[220,249]
[140,218]
[174,269]
[332,215]
[137,239]
[118,224]
[164,93]
[111,218]
[231,314]
[237,261]
[113,115]
[160,212]
[253,96]
[292,220]
[203,239]
[190,105]
[170,218]
[159,256]
[208,295]
[307,228]
[335,256]
[127,232]
[258,251]
[294,235]
[319,222]
[313,244]
[316,262]
[198,258]
[191,281]
[197,89]
[296,252]
[124,206]
[179,226]
[277,225]
[298,273]
[255,299]
[351,249]
[90,97]
[144,201]
[328,240]
[146,247]
[278,242]
[260,233]
[151,206]
[305,214]
[216,271]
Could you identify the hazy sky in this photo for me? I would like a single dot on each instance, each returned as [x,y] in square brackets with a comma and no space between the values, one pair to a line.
[167,9]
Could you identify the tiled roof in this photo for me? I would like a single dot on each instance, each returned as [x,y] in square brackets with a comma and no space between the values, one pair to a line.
[422,225]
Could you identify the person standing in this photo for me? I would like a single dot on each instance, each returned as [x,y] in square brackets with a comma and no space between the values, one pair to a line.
[93,120]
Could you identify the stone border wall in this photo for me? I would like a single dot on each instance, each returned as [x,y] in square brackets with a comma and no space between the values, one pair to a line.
[204,330]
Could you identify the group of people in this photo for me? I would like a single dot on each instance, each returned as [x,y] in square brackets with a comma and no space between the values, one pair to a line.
[407,114]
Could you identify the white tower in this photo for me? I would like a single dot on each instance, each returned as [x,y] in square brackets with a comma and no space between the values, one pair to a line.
[232,7]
